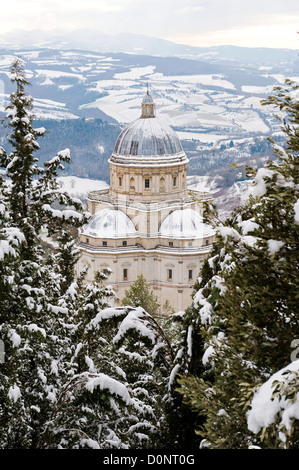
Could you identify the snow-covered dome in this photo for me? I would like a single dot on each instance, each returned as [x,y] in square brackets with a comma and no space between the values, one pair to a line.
[147,135]
[185,223]
[147,99]
[110,223]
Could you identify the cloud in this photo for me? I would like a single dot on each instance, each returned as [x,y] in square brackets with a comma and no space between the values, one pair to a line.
[191,9]
[269,31]
[195,22]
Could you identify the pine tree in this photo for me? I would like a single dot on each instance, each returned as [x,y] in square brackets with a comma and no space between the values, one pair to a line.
[247,301]
[140,295]
[113,398]
[77,372]
[33,279]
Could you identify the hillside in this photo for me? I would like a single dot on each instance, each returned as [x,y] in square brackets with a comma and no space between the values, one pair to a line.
[213,101]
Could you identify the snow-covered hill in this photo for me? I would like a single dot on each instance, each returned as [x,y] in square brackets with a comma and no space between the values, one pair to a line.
[226,199]
[208,101]
[79,187]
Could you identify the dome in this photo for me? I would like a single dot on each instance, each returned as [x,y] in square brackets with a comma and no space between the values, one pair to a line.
[147,99]
[109,223]
[185,223]
[146,137]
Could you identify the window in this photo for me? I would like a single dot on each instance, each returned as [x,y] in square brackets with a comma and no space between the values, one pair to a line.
[146,183]
[124,242]
[87,240]
[120,181]
[207,242]
[170,243]
[104,243]
[190,243]
[169,273]
[190,274]
[125,274]
[174,181]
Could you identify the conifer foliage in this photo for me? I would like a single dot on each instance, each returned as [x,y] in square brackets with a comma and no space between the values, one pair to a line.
[32,275]
[77,373]
[140,295]
[246,306]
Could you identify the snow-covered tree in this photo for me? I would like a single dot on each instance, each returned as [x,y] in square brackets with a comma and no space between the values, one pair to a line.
[245,308]
[274,409]
[77,372]
[114,397]
[32,277]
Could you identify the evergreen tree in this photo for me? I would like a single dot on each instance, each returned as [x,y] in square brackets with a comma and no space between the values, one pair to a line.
[246,304]
[77,372]
[140,295]
[32,278]
[114,397]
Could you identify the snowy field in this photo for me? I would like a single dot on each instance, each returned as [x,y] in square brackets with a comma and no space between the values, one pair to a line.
[67,84]
[79,187]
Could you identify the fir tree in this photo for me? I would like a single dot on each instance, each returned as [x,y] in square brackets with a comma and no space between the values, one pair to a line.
[120,364]
[247,301]
[140,295]
[33,280]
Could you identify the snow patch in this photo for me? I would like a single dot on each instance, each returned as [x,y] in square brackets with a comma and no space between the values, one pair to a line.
[264,409]
[104,382]
[274,246]
[14,393]
[260,186]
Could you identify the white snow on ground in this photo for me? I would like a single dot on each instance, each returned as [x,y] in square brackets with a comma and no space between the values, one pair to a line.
[136,73]
[58,73]
[79,187]
[263,90]
[200,136]
[200,183]
[210,80]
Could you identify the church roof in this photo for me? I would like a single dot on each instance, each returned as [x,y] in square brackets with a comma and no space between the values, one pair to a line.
[109,223]
[185,223]
[147,98]
[147,135]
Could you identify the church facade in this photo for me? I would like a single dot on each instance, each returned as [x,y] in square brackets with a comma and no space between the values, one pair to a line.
[147,222]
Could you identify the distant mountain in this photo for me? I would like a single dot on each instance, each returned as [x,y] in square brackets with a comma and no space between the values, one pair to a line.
[141,44]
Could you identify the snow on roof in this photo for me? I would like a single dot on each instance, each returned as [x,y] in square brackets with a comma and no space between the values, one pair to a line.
[110,223]
[147,99]
[148,137]
[185,223]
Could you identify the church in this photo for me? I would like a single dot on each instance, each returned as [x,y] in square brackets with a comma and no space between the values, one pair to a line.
[148,222]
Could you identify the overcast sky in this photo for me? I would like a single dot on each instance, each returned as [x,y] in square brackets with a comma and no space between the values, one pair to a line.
[266,23]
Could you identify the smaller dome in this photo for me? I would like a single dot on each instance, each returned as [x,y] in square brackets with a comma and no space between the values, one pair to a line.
[185,223]
[147,99]
[109,223]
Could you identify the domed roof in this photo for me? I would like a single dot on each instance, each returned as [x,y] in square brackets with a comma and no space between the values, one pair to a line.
[109,223]
[146,137]
[147,98]
[185,223]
